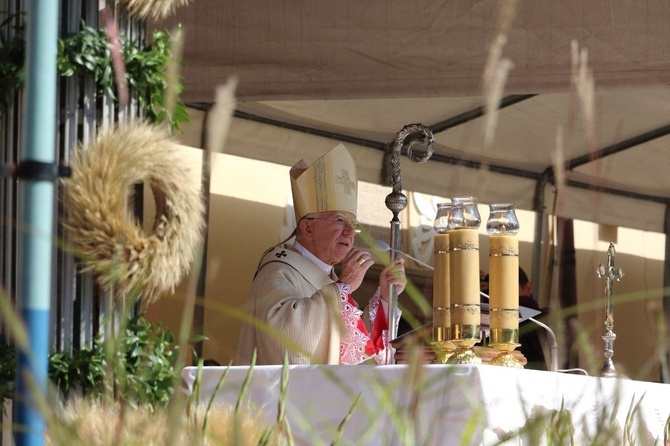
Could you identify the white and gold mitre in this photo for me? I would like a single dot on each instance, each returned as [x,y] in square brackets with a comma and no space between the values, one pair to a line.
[330,184]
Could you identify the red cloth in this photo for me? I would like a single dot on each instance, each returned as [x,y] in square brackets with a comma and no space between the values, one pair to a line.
[357,344]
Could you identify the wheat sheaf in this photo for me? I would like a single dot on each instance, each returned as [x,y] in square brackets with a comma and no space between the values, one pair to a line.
[110,241]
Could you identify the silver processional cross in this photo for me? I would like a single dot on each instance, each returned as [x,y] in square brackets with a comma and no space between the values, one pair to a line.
[610,273]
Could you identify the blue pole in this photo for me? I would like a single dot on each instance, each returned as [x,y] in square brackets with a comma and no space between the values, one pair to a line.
[36,200]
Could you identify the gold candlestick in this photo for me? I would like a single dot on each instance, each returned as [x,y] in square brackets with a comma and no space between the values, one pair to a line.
[502,227]
[465,336]
[464,280]
[505,340]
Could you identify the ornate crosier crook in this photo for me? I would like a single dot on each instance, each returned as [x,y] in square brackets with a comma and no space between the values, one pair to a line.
[396,201]
[610,273]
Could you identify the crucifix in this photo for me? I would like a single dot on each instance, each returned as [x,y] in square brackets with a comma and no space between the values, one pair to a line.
[610,273]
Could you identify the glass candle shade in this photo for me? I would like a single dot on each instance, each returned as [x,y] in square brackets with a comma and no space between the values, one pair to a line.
[502,219]
[464,213]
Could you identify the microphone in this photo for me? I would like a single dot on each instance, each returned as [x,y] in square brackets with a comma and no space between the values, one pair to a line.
[383,246]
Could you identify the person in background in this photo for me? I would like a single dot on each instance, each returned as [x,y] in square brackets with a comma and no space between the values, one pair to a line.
[300,307]
[529,335]
[483,283]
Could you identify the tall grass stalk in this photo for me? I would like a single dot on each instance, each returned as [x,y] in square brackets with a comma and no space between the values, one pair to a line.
[240,398]
[340,428]
[282,420]
[210,405]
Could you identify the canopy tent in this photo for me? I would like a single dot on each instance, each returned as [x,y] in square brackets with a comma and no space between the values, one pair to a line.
[314,72]
[387,49]
[360,71]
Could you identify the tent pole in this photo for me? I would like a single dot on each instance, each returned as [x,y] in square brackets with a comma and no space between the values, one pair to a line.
[665,371]
[205,186]
[539,207]
[36,199]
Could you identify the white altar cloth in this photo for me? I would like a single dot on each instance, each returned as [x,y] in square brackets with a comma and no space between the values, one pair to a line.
[439,405]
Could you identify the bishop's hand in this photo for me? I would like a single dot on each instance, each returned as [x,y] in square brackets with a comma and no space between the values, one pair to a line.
[354,266]
[393,274]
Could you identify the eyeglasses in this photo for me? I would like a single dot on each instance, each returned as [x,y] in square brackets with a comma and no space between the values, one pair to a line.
[342,223]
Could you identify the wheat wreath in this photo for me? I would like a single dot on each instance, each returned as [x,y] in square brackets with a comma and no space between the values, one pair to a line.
[97,218]
[157,9]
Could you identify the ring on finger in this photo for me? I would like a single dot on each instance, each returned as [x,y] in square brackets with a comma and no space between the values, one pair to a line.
[361,261]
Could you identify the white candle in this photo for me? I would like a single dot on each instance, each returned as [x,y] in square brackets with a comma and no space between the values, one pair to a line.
[464,275]
[504,280]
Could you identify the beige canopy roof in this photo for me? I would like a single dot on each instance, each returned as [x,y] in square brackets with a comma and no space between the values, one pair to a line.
[314,73]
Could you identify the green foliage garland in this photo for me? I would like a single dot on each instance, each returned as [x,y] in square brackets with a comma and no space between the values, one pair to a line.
[87,54]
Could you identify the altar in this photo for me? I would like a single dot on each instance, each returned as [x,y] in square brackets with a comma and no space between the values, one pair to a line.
[444,404]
